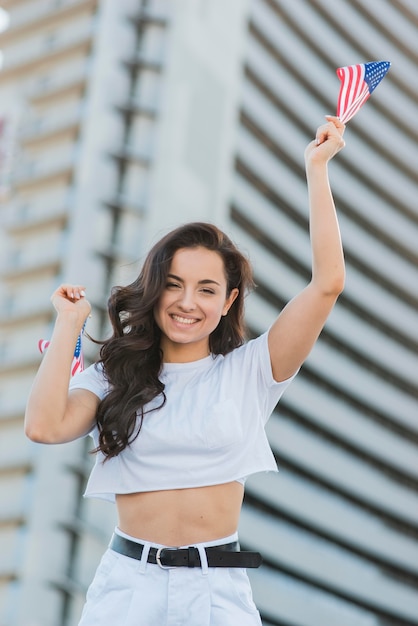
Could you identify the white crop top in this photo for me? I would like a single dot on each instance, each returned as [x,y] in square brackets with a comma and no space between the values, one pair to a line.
[210,430]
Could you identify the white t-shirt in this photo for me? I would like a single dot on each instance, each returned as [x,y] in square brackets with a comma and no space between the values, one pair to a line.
[210,430]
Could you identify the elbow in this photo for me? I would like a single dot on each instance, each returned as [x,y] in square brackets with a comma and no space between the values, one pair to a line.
[340,282]
[337,286]
[35,434]
[333,292]
[331,289]
[35,430]
[329,279]
[334,286]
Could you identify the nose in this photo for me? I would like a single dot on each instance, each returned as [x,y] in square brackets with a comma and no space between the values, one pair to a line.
[186,300]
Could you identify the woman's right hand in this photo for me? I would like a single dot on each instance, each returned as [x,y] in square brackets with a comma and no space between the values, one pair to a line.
[53,415]
[71,298]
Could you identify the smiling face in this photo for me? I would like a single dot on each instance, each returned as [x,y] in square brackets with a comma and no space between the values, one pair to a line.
[192,304]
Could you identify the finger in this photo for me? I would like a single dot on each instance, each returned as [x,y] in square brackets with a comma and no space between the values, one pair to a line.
[321,135]
[72,292]
[334,129]
[79,292]
[337,123]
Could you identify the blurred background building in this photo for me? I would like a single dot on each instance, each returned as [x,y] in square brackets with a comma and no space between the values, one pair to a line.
[120,119]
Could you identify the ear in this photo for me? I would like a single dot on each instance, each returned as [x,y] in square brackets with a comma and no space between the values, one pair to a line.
[230,300]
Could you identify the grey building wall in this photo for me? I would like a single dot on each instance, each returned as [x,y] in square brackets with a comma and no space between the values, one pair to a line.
[338,524]
[126,118]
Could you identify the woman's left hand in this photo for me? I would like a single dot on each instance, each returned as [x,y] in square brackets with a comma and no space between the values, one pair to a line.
[328,141]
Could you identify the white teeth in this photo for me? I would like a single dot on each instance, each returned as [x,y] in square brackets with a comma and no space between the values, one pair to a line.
[183,320]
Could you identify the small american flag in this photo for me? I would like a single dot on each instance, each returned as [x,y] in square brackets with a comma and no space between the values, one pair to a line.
[78,359]
[357,84]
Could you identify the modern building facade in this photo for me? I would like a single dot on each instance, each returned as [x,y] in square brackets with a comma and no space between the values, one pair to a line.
[121,119]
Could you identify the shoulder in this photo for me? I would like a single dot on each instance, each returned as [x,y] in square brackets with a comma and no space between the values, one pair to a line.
[257,347]
[93,379]
[253,358]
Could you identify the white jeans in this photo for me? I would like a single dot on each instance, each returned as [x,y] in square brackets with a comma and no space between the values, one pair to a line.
[127,592]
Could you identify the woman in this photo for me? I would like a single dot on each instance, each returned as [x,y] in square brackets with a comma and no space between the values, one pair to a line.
[177,406]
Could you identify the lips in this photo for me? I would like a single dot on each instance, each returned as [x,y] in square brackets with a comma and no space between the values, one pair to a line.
[184,320]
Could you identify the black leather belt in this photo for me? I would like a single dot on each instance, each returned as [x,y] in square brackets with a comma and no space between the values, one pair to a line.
[226,555]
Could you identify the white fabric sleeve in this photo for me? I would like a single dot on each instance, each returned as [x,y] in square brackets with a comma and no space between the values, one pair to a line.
[92,379]
[265,363]
[257,375]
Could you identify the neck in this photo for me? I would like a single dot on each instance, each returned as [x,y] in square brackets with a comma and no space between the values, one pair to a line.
[183,353]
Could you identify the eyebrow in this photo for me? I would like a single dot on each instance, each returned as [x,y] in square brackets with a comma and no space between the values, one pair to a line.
[205,281]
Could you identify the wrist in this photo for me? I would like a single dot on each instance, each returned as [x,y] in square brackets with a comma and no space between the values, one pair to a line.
[316,173]
[72,320]
[316,164]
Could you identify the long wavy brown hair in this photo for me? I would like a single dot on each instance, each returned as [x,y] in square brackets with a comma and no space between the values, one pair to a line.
[132,358]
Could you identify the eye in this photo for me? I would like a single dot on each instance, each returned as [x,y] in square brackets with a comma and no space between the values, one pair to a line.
[207,290]
[171,285]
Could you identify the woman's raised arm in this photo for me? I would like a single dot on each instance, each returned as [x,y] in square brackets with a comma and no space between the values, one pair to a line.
[53,415]
[298,326]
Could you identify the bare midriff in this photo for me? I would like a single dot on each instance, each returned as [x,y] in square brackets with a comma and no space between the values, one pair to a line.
[179,517]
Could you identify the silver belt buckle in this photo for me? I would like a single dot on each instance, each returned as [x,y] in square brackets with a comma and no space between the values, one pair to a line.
[158,558]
